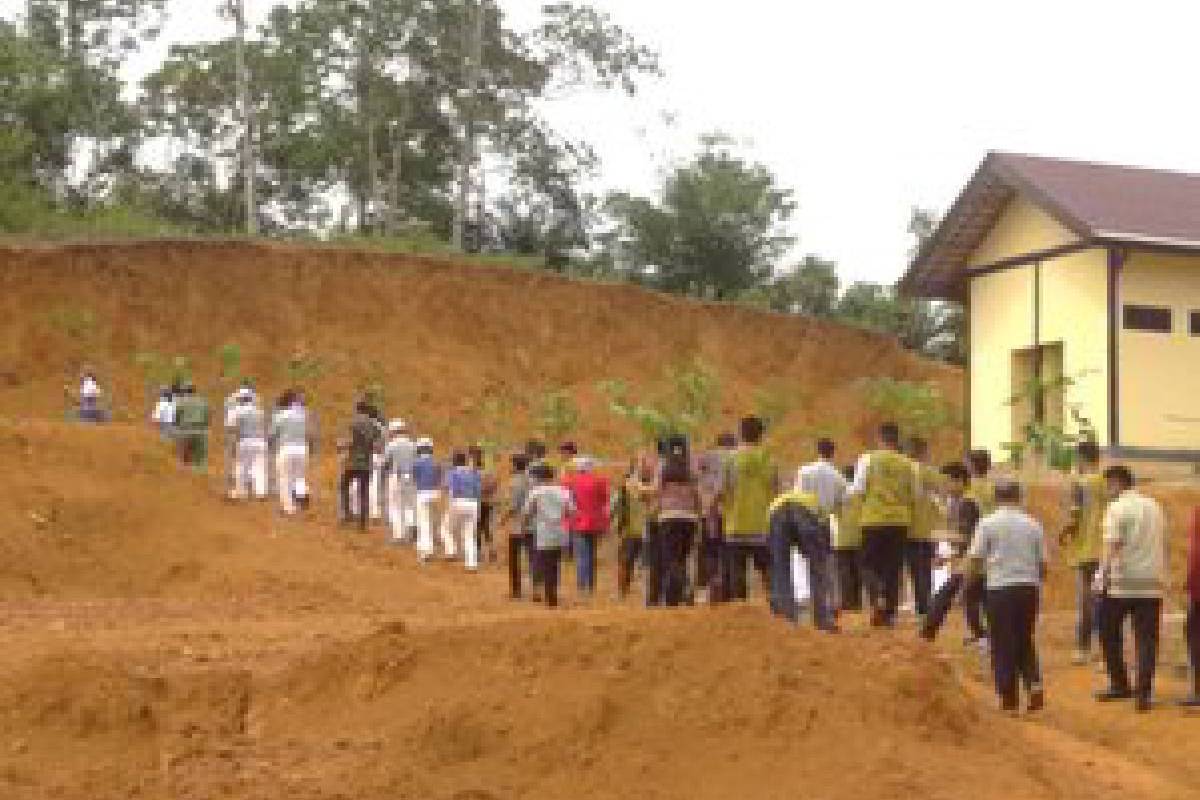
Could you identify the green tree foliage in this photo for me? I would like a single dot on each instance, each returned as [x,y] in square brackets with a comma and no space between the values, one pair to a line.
[919,408]
[558,415]
[687,406]
[717,232]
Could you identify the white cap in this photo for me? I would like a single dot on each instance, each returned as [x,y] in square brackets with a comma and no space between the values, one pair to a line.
[245,393]
[425,441]
[583,463]
[397,426]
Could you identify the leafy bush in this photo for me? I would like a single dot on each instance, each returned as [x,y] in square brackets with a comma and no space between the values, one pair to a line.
[917,407]
[558,415]
[692,392]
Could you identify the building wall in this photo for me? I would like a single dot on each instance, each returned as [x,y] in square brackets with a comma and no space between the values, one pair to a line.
[1073,311]
[1022,228]
[1160,373]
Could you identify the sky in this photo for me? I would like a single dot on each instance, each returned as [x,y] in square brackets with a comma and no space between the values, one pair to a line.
[866,109]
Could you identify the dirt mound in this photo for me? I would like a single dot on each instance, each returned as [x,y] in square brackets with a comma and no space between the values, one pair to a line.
[465,351]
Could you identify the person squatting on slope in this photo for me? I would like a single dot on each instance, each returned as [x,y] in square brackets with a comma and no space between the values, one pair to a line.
[361,445]
[463,488]
[249,431]
[587,525]
[1009,547]
[678,508]
[751,483]
[887,481]
[291,439]
[427,478]
[547,507]
[1130,581]
[962,515]
[822,480]
[1083,539]
[191,427]
[398,457]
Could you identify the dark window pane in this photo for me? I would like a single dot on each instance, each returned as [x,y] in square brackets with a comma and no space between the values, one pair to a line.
[1195,323]
[1148,318]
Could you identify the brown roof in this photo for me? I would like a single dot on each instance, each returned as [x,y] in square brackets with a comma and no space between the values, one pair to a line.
[1100,203]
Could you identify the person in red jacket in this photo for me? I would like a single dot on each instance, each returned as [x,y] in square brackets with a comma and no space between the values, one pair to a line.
[590,491]
[1193,610]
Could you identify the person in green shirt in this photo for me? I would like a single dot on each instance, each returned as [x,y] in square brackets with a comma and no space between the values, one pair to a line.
[1082,541]
[886,479]
[191,426]
[847,550]
[751,484]
[920,547]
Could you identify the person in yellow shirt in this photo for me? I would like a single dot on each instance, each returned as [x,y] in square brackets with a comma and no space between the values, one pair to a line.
[751,483]
[847,551]
[886,479]
[795,522]
[920,547]
[1083,540]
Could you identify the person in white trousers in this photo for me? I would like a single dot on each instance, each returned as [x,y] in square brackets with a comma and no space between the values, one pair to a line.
[289,430]
[464,486]
[248,424]
[427,479]
[398,458]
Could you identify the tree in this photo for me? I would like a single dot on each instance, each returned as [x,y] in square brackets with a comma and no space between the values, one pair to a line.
[718,230]
[809,288]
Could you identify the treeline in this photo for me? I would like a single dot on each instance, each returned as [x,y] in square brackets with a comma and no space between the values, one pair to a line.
[383,119]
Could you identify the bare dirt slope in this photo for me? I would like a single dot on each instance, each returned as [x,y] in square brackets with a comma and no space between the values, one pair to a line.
[159,642]
[444,339]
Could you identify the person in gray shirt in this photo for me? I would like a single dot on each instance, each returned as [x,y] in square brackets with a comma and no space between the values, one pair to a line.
[1009,545]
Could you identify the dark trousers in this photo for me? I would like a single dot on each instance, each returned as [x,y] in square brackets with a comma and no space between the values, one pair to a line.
[1147,617]
[1085,604]
[628,552]
[813,544]
[971,588]
[674,542]
[1192,633]
[549,561]
[363,476]
[652,557]
[483,530]
[883,556]
[585,560]
[735,556]
[849,578]
[517,545]
[708,553]
[1012,619]
[918,553]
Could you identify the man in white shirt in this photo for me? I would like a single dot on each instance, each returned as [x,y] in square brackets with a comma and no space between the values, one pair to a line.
[1130,581]
[249,425]
[823,480]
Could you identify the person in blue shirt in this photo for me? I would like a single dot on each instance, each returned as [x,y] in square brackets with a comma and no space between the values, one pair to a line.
[464,486]
[427,478]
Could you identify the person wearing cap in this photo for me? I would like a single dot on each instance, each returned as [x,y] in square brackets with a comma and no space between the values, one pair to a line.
[1131,580]
[590,497]
[427,480]
[191,426]
[398,457]
[886,479]
[1010,549]
[464,488]
[229,413]
[547,507]
[292,441]
[250,433]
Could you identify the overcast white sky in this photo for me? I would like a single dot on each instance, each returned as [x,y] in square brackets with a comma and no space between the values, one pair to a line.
[868,108]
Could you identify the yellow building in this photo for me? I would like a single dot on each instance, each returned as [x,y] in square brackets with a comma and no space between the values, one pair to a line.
[1085,271]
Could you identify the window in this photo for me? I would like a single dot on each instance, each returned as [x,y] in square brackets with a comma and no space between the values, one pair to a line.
[1152,319]
[1194,323]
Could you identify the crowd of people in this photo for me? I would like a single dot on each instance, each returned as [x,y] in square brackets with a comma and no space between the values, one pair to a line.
[696,524]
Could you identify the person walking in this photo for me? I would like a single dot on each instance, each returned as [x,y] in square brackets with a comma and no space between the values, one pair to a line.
[590,497]
[887,481]
[398,458]
[1082,539]
[847,549]
[363,442]
[712,466]
[751,483]
[678,511]
[1131,579]
[920,547]
[1009,547]
[291,438]
[427,478]
[962,516]
[1192,623]
[795,523]
[489,489]
[191,427]
[632,495]
[520,533]
[163,415]
[250,434]
[823,480]
[229,412]
[463,488]
[546,508]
